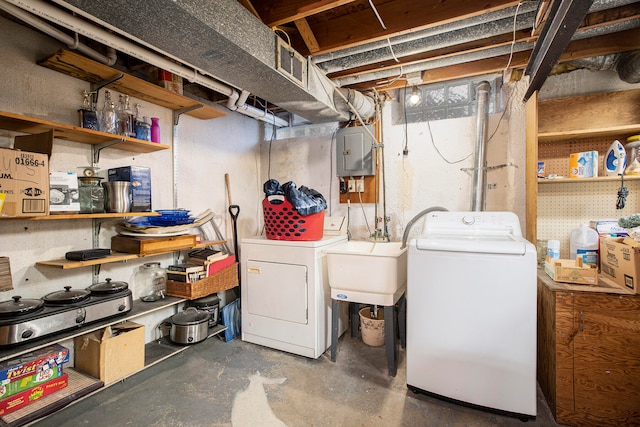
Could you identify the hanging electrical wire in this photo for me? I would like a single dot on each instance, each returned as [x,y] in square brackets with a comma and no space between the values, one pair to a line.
[384,27]
[513,41]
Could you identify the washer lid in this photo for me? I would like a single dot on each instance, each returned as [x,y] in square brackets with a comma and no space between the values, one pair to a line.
[504,245]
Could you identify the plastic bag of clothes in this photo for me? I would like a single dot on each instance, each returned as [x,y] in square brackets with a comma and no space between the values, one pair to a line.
[305,200]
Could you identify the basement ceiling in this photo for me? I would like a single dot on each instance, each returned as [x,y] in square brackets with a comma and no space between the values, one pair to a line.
[365,44]
[358,44]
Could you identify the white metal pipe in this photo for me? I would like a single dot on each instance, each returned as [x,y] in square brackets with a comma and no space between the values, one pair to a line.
[53,14]
[55,33]
[480,166]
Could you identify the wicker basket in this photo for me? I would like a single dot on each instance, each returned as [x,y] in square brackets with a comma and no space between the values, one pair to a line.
[221,281]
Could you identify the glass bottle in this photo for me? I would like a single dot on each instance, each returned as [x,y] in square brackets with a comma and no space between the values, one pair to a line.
[88,116]
[91,194]
[155,129]
[130,131]
[122,116]
[109,115]
[141,127]
[151,281]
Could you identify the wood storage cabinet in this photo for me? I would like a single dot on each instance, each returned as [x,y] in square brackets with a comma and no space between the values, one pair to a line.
[589,353]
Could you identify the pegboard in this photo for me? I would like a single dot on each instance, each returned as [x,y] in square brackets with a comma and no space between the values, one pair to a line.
[555,155]
[563,206]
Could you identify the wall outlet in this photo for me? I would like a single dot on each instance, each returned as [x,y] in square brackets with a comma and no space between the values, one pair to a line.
[355,186]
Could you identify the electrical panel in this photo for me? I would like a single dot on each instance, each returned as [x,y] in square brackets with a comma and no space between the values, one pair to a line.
[354,151]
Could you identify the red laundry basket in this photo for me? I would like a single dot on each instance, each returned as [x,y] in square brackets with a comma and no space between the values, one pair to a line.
[283,222]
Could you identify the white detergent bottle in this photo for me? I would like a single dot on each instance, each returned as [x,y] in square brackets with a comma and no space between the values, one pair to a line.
[616,159]
[584,244]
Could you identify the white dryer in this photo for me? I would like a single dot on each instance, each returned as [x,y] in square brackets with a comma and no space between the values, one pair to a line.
[285,294]
[471,311]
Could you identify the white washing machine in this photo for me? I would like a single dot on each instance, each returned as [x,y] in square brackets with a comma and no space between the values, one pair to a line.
[285,294]
[471,311]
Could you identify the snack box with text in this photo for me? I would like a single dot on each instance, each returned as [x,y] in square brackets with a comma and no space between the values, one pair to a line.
[26,397]
[30,363]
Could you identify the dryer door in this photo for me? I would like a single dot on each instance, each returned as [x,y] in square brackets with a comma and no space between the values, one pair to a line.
[278,291]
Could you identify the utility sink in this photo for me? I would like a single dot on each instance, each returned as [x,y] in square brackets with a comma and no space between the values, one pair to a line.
[367,272]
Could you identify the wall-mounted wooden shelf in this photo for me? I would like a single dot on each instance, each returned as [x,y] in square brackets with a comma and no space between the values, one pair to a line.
[31,125]
[81,216]
[583,180]
[65,264]
[614,132]
[83,68]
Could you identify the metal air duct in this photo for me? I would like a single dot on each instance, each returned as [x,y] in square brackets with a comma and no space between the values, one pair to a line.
[222,38]
[480,160]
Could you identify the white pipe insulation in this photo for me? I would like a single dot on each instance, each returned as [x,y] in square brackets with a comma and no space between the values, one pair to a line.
[53,14]
[57,34]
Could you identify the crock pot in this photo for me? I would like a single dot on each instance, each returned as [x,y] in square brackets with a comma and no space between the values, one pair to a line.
[189,326]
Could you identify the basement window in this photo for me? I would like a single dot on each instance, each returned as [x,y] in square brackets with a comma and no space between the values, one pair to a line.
[449,100]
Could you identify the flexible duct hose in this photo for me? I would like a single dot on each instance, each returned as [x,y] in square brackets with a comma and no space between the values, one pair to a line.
[414,219]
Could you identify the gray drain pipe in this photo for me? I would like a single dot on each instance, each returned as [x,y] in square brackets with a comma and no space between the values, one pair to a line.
[479,168]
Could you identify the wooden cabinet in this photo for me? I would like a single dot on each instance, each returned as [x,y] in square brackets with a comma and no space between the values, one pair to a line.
[558,127]
[588,337]
[589,353]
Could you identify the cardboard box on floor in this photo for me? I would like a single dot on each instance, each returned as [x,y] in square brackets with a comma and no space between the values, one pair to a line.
[112,353]
[620,261]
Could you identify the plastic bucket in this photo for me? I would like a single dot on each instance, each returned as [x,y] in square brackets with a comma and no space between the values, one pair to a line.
[372,329]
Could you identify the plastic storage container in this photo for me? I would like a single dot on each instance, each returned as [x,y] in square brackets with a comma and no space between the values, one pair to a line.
[151,281]
[553,249]
[584,244]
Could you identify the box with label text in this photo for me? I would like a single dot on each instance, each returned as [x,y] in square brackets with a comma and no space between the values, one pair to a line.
[140,179]
[33,362]
[63,192]
[24,183]
[29,396]
[583,165]
[620,261]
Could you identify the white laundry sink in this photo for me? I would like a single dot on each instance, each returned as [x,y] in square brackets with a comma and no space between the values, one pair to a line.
[367,272]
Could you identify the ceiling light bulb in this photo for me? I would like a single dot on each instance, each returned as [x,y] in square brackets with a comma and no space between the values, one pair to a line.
[415,98]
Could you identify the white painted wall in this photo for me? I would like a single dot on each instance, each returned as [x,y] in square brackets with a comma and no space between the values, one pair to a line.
[430,175]
[206,149]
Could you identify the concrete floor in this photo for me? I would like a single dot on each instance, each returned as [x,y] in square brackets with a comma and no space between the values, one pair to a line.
[209,385]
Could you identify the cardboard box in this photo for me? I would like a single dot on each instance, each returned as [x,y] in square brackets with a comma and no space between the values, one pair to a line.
[140,179]
[620,261]
[170,81]
[30,363]
[35,143]
[583,165]
[20,400]
[45,374]
[607,226]
[24,183]
[571,271]
[112,353]
[63,192]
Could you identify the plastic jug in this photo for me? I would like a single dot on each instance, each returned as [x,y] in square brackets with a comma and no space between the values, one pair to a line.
[584,244]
